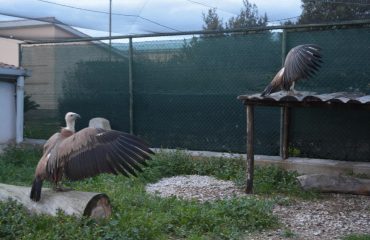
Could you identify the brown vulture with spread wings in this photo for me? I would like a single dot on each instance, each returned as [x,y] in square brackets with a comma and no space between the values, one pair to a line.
[301,63]
[89,152]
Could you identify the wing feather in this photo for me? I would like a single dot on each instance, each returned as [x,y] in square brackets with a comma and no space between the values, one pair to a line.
[138,153]
[302,61]
[92,151]
[129,157]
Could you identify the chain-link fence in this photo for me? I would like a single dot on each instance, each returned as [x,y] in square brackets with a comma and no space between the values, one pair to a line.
[182,93]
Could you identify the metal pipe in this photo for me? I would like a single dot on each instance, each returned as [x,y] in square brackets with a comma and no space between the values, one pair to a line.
[110,22]
[283,47]
[110,29]
[283,110]
[19,122]
[19,54]
[130,86]
[201,32]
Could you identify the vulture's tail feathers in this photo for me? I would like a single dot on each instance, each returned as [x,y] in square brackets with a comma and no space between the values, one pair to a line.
[268,90]
[36,190]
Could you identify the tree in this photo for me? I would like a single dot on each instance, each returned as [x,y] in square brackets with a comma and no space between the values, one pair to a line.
[287,23]
[248,17]
[29,104]
[212,21]
[321,11]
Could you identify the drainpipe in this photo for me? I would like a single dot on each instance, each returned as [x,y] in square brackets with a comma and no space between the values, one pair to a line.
[20,106]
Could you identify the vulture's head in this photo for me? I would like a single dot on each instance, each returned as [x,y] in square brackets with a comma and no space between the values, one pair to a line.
[71,119]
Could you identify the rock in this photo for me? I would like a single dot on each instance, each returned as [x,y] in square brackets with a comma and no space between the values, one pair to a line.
[335,184]
[99,122]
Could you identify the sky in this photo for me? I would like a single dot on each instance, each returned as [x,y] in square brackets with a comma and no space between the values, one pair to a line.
[141,16]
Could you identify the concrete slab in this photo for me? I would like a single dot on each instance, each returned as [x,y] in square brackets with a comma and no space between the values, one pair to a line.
[301,165]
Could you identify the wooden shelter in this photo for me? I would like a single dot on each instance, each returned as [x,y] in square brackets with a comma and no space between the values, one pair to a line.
[285,101]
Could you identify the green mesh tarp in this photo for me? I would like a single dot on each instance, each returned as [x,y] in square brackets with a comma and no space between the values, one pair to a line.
[185,91]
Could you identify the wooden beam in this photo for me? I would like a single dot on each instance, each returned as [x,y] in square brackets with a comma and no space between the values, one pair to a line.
[284,132]
[250,148]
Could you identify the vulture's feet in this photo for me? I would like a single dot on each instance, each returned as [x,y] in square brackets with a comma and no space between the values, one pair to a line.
[59,188]
[293,92]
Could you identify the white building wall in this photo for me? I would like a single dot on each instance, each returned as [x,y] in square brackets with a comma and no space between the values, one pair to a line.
[7,112]
[9,51]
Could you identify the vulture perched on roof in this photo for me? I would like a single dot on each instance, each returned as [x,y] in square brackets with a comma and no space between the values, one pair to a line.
[89,152]
[301,63]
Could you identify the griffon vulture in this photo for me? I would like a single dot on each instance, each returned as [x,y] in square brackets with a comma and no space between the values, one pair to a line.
[301,63]
[89,152]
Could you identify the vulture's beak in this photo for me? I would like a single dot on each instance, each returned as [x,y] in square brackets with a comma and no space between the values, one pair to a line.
[77,115]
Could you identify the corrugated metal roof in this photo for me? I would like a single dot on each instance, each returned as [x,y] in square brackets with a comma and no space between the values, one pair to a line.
[9,66]
[40,22]
[12,70]
[308,97]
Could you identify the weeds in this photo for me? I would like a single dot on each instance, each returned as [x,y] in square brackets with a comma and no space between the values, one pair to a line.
[138,215]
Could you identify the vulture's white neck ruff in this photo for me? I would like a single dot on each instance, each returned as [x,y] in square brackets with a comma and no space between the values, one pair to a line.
[70,125]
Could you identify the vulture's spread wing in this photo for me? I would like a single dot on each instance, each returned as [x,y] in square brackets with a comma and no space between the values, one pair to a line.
[301,62]
[92,151]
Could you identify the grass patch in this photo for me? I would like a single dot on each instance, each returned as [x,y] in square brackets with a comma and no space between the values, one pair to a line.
[40,131]
[357,237]
[287,233]
[138,215]
[18,165]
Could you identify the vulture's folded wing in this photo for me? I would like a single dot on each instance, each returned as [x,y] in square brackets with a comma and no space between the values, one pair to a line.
[301,62]
[92,151]
[275,84]
[50,143]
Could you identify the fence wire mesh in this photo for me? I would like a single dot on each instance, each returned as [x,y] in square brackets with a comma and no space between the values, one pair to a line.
[184,91]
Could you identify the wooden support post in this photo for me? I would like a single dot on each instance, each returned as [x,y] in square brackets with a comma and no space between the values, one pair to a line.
[250,150]
[284,132]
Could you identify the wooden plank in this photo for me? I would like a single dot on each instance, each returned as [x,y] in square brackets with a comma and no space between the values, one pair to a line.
[250,148]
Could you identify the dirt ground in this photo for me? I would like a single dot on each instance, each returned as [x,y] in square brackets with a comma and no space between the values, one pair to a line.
[333,217]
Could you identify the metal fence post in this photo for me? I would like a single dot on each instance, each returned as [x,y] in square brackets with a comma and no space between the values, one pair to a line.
[283,46]
[130,86]
[284,111]
[19,54]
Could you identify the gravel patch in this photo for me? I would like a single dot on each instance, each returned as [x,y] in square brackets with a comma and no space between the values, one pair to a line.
[332,217]
[194,187]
